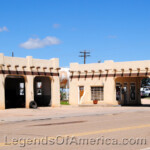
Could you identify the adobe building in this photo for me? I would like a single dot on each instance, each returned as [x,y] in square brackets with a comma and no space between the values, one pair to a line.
[23,80]
[109,82]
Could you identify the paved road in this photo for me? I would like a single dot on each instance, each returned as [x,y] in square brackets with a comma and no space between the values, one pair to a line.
[105,128]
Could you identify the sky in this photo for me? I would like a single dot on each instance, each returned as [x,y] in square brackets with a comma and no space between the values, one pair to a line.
[116,30]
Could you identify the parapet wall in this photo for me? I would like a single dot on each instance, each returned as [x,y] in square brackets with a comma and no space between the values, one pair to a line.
[111,67]
[28,64]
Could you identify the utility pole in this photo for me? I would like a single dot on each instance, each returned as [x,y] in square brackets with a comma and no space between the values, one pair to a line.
[12,54]
[84,54]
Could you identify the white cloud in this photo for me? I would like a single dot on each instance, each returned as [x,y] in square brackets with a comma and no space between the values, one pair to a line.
[2,29]
[40,43]
[112,37]
[56,25]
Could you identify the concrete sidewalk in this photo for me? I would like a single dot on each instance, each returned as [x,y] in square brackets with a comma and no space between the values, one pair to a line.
[17,115]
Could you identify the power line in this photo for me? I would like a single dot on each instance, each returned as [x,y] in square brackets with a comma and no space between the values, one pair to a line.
[84,54]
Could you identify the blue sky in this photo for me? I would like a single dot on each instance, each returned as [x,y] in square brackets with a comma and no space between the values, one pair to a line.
[116,30]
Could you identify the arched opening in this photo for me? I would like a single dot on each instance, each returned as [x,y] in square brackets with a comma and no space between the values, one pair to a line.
[42,91]
[128,90]
[14,92]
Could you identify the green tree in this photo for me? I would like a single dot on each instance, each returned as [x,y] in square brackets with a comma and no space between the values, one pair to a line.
[145,82]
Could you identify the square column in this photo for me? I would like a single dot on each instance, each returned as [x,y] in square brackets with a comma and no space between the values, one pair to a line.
[29,89]
[55,93]
[2,92]
[110,91]
[73,92]
[138,91]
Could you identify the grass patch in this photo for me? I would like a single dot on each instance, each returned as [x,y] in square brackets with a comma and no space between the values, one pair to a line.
[145,97]
[64,102]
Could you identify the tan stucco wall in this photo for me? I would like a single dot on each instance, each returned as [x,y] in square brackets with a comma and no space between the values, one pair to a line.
[111,65]
[108,85]
[2,92]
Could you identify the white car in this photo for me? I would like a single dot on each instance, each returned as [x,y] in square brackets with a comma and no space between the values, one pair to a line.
[145,92]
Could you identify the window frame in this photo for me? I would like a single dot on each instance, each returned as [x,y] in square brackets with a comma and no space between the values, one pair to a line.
[97,96]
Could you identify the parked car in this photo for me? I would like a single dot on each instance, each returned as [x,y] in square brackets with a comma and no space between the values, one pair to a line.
[145,92]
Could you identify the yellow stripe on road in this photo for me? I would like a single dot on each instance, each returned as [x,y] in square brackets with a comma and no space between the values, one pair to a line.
[112,130]
[94,132]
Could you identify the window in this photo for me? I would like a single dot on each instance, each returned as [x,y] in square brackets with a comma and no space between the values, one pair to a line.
[96,93]
[21,88]
[39,88]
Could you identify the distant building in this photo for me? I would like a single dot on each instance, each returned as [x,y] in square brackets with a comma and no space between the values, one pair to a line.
[64,75]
